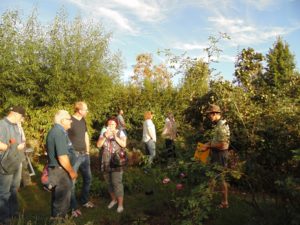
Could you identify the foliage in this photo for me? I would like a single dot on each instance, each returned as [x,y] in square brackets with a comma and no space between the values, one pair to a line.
[45,68]
[281,64]
[248,69]
[49,68]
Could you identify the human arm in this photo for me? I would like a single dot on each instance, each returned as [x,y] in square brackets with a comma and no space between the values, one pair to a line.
[64,161]
[101,141]
[220,138]
[3,147]
[221,145]
[150,129]
[152,133]
[61,151]
[87,142]
[120,140]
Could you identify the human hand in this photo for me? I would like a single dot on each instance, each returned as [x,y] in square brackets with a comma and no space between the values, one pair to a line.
[108,133]
[73,175]
[21,146]
[204,147]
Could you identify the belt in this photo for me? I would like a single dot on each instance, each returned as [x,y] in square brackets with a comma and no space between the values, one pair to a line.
[53,167]
[80,153]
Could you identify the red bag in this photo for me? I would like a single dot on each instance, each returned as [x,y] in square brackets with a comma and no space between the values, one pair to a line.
[45,179]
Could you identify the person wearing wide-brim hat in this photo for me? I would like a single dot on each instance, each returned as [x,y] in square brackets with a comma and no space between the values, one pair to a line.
[219,145]
[213,109]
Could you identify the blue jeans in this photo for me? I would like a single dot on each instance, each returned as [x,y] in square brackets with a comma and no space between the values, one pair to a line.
[83,164]
[61,193]
[9,185]
[150,149]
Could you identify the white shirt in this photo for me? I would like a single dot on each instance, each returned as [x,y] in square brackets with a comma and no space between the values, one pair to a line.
[149,131]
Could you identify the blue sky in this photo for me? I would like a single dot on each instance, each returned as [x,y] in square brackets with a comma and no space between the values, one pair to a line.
[144,26]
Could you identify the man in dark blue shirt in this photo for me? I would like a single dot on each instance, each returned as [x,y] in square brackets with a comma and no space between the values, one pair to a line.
[61,172]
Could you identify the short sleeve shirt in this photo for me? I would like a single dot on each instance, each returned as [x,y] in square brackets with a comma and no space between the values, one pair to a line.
[57,143]
[77,134]
[221,132]
[109,146]
[120,122]
[9,130]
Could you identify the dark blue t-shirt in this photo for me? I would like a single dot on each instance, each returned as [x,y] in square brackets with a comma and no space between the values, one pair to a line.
[58,143]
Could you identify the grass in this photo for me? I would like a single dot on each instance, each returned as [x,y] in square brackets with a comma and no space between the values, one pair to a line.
[142,208]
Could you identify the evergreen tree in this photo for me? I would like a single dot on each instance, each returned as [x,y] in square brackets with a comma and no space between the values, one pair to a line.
[280,64]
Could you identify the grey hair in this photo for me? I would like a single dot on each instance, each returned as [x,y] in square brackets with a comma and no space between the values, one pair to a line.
[61,114]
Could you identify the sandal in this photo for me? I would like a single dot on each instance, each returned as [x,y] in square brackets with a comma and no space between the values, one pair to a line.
[89,205]
[76,213]
[223,205]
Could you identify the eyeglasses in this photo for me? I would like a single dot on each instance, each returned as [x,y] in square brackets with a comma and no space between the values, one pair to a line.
[213,113]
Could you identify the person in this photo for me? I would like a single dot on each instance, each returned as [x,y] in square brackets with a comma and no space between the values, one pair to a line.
[169,133]
[111,141]
[80,139]
[149,135]
[61,172]
[219,145]
[121,122]
[10,182]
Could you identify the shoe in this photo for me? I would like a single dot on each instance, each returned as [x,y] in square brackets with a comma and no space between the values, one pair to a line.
[149,192]
[89,205]
[120,209]
[223,205]
[76,213]
[112,204]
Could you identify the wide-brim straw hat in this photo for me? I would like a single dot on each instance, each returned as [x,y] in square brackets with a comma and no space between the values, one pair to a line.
[212,108]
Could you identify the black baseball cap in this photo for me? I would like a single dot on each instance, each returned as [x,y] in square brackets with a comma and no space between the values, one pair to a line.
[18,109]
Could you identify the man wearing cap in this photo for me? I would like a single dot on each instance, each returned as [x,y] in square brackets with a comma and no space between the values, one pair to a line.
[10,182]
[219,145]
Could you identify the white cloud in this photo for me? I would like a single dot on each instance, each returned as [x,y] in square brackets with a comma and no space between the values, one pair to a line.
[120,20]
[104,11]
[263,4]
[189,46]
[144,10]
[242,33]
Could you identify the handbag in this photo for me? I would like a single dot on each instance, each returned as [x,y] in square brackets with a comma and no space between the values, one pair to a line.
[11,160]
[200,155]
[45,179]
[119,158]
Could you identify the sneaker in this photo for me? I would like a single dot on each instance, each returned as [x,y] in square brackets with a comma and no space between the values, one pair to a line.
[120,209]
[76,213]
[89,205]
[112,204]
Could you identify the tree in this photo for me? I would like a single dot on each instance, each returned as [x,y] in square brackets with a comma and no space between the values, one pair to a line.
[146,71]
[195,81]
[280,64]
[248,69]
